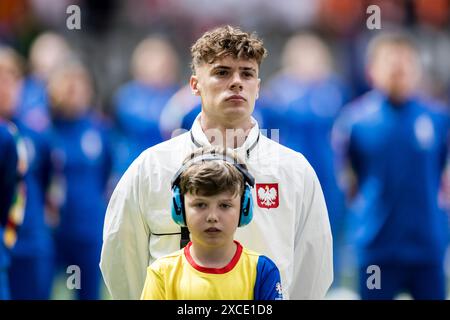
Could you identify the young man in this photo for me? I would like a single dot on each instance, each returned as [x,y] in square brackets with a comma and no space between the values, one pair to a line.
[396,145]
[290,222]
[212,197]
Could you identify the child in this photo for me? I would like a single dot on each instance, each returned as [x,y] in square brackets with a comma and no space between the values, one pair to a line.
[212,196]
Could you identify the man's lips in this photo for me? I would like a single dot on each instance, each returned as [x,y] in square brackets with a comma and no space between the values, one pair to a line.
[236,97]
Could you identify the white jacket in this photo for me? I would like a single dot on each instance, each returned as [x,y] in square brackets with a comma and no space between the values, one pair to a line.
[296,235]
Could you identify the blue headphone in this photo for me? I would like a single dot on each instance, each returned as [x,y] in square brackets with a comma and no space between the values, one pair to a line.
[246,214]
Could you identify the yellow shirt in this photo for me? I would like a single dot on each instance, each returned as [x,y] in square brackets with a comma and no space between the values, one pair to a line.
[248,276]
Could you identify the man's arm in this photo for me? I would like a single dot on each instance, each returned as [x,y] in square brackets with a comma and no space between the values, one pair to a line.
[125,252]
[313,253]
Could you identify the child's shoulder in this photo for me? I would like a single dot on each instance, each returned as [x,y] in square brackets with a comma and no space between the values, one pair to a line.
[166,261]
[263,261]
[250,253]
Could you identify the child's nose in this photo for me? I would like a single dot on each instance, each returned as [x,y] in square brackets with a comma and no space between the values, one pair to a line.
[212,216]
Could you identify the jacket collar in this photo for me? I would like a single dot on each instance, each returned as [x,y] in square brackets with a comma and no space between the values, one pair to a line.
[199,139]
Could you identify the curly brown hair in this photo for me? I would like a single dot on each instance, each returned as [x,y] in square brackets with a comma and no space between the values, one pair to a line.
[227,41]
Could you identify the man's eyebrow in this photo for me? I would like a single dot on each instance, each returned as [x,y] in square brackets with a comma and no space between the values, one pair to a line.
[221,67]
[229,68]
[248,69]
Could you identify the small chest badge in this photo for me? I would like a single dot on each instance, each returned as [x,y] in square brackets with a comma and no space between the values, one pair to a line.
[267,195]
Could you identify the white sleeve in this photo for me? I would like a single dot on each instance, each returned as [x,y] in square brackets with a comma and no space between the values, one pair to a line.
[125,251]
[313,253]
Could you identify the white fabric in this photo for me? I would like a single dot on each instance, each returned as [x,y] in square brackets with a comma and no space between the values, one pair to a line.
[296,235]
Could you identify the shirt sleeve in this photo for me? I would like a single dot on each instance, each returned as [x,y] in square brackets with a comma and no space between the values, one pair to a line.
[154,285]
[125,252]
[313,249]
[267,283]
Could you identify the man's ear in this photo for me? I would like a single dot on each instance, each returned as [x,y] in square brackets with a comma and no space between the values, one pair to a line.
[193,82]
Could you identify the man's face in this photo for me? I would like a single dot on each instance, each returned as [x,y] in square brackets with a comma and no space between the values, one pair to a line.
[212,220]
[395,70]
[228,88]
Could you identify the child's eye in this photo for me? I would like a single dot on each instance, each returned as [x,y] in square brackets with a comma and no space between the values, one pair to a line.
[200,205]
[248,74]
[225,206]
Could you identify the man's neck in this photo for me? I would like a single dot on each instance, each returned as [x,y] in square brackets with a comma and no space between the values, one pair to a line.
[213,257]
[230,135]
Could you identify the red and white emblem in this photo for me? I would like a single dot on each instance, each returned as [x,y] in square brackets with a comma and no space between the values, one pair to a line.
[267,195]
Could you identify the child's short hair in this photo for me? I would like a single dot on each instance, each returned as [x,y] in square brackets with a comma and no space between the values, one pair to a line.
[209,178]
[227,41]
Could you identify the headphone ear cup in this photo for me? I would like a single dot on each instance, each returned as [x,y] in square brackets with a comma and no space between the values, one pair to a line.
[246,215]
[177,207]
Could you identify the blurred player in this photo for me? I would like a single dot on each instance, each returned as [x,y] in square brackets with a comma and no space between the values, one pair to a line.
[138,104]
[31,257]
[305,98]
[396,145]
[47,52]
[81,157]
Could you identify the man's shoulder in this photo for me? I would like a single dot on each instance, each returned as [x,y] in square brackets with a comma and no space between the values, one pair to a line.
[272,149]
[167,149]
[362,109]
[435,108]
[169,144]
[165,156]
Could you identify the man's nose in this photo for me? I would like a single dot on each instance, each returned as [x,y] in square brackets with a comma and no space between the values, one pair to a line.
[236,82]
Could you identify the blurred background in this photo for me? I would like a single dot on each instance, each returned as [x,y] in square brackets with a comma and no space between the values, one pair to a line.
[89,101]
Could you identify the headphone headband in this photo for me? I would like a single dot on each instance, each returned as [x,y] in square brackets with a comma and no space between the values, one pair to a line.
[248,178]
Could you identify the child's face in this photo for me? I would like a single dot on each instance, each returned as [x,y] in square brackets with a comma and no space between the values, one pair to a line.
[212,220]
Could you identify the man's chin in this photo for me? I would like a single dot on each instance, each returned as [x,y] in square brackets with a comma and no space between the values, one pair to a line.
[237,112]
[236,119]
